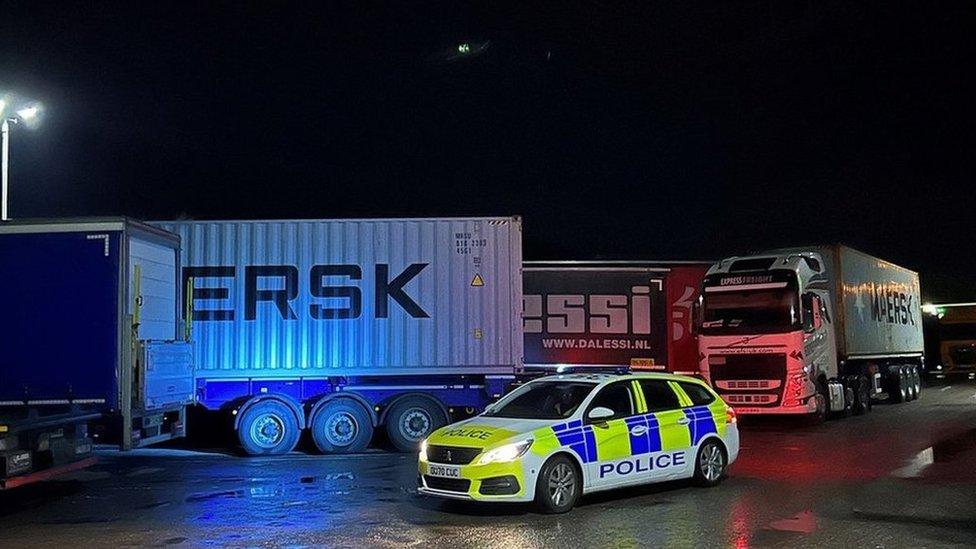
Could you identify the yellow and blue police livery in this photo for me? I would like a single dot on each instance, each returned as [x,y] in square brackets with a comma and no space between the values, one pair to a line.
[557,437]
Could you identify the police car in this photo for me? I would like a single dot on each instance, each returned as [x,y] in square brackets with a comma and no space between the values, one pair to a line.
[557,437]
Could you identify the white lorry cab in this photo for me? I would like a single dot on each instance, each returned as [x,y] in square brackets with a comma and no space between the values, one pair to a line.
[557,437]
[820,330]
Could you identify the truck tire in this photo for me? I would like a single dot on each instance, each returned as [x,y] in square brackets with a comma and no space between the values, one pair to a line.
[412,419]
[559,485]
[897,390]
[910,383]
[341,426]
[862,396]
[917,380]
[268,427]
[710,464]
[823,405]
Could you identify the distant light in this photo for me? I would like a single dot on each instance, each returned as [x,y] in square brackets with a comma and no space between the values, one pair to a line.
[464,48]
[3,105]
[930,309]
[28,114]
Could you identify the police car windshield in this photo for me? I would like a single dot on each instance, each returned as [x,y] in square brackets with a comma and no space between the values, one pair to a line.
[543,400]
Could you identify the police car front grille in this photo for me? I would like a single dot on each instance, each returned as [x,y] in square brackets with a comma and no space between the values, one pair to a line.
[454,455]
[447,484]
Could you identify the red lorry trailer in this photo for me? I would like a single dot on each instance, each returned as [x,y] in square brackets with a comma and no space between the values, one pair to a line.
[611,313]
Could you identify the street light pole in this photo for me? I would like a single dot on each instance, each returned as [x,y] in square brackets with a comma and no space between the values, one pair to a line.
[5,136]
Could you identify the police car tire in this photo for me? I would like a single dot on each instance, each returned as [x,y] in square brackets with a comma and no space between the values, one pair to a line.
[268,427]
[543,499]
[421,409]
[349,413]
[706,449]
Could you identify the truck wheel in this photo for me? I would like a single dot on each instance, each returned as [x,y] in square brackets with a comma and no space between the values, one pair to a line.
[823,405]
[411,420]
[862,396]
[268,427]
[341,426]
[710,464]
[910,383]
[559,485]
[896,386]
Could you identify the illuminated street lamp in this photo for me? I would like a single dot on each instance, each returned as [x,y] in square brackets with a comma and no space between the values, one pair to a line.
[29,115]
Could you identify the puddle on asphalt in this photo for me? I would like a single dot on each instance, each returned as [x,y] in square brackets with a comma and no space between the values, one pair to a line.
[943,451]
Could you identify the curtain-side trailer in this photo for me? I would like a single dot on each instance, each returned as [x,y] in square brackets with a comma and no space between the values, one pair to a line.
[631,314]
[345,326]
[91,342]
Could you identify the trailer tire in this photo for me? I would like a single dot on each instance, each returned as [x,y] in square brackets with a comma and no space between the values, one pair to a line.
[412,419]
[917,380]
[268,427]
[897,385]
[862,396]
[341,426]
[910,382]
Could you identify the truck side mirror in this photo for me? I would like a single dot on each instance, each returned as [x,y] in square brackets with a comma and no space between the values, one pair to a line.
[695,316]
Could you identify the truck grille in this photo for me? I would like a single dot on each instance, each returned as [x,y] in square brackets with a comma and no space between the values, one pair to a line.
[749,379]
[963,355]
[454,455]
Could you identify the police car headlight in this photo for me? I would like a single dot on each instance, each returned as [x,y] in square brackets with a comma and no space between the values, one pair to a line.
[423,450]
[509,452]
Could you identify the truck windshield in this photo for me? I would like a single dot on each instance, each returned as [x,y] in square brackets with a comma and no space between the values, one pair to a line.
[543,400]
[762,311]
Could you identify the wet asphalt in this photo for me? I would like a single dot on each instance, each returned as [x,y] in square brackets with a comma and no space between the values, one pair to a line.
[902,476]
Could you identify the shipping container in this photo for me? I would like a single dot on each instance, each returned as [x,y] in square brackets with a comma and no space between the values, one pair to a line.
[346,325]
[92,336]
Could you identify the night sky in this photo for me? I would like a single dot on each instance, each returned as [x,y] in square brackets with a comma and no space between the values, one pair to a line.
[656,131]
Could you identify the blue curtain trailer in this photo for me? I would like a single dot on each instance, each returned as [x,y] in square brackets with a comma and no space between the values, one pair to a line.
[91,338]
[344,327]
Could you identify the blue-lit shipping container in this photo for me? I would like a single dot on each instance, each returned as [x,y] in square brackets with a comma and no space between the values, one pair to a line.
[346,325]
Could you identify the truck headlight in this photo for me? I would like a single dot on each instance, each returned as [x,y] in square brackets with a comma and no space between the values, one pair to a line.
[509,452]
[423,451]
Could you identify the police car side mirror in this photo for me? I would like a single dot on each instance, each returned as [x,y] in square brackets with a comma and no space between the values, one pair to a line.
[600,413]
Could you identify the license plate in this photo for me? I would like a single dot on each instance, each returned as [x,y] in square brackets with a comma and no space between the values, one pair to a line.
[444,471]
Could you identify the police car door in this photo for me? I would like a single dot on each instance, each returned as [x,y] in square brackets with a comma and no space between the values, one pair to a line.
[670,452]
[611,436]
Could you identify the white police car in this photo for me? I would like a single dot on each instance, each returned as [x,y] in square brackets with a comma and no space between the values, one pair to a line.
[556,437]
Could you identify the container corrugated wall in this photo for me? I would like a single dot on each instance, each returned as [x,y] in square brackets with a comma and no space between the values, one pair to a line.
[465,279]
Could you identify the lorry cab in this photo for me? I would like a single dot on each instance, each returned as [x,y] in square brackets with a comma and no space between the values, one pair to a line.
[813,330]
[766,325]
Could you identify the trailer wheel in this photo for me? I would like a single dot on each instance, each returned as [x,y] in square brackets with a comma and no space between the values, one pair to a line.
[917,380]
[862,396]
[341,426]
[412,419]
[897,389]
[910,382]
[268,427]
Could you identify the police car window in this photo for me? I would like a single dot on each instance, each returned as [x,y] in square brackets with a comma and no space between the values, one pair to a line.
[617,397]
[543,400]
[659,395]
[699,395]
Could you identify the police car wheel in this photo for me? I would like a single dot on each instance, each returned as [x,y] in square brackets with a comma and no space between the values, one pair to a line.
[268,427]
[341,426]
[411,420]
[710,464]
[558,486]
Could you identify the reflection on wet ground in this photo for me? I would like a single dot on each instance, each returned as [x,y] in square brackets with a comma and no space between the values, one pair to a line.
[901,476]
